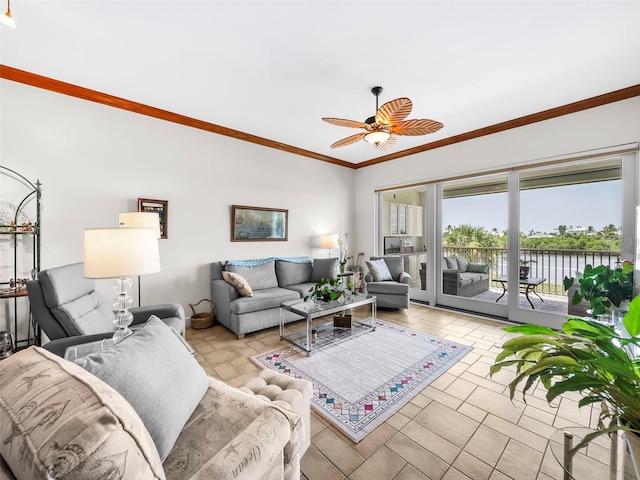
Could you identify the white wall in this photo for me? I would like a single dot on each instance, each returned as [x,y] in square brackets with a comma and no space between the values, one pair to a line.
[614,124]
[95,161]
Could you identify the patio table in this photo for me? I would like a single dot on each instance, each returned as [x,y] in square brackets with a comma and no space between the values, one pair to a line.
[526,285]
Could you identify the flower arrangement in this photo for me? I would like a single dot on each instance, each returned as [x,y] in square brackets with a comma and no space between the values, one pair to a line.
[343,258]
[329,289]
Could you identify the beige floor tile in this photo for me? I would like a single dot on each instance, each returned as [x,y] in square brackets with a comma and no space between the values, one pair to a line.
[410,410]
[455,474]
[376,439]
[497,404]
[410,473]
[512,430]
[460,388]
[383,464]
[315,466]
[472,467]
[337,451]
[419,457]
[443,381]
[569,410]
[519,461]
[472,412]
[316,425]
[442,397]
[487,445]
[421,400]
[447,423]
[397,420]
[442,448]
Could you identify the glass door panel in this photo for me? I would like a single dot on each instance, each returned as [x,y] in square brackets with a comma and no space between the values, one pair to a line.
[473,244]
[570,217]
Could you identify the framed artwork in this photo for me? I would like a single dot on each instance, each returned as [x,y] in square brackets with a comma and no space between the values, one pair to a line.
[159,206]
[258,224]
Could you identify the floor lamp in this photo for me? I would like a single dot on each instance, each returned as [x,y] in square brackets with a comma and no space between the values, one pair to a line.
[140,220]
[120,253]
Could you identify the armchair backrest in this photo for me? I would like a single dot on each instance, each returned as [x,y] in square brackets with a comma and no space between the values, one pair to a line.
[65,304]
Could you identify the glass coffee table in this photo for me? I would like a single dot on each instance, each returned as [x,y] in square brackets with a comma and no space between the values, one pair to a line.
[321,334]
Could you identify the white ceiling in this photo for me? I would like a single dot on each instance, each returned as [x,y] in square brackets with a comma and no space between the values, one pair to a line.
[274,68]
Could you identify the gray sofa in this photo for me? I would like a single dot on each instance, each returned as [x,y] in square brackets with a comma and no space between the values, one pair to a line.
[272,280]
[462,278]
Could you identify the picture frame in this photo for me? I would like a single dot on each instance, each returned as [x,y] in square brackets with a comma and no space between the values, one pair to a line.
[259,224]
[161,207]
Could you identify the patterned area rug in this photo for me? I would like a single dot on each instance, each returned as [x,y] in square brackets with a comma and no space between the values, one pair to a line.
[363,380]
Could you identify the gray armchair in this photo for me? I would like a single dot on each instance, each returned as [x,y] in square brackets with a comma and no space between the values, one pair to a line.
[65,304]
[394,292]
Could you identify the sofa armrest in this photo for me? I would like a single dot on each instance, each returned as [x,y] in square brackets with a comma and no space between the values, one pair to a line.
[404,277]
[368,277]
[253,450]
[166,310]
[222,294]
[60,345]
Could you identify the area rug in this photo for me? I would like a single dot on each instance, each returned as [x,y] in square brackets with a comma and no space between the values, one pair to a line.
[361,381]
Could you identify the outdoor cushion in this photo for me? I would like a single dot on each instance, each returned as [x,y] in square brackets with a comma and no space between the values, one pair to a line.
[477,267]
[452,264]
[462,263]
[258,276]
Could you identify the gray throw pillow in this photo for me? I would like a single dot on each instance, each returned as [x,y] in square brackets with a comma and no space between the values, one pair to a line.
[154,372]
[324,268]
[379,270]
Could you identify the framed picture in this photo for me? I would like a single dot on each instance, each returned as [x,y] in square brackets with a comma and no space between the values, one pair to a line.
[159,206]
[257,224]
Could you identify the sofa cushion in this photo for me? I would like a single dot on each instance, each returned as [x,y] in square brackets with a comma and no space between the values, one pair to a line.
[461,262]
[59,421]
[324,268]
[452,264]
[258,276]
[292,273]
[467,278]
[88,313]
[388,287]
[153,370]
[477,267]
[262,300]
[239,282]
[379,270]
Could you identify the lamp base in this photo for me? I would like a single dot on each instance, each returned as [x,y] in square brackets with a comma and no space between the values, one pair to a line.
[122,302]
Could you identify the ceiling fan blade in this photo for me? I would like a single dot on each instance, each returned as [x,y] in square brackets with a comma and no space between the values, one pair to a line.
[394,111]
[349,140]
[387,145]
[345,123]
[415,127]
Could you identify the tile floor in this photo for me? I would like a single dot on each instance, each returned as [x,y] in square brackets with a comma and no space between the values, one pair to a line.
[462,426]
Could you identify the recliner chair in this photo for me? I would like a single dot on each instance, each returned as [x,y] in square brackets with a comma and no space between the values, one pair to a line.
[65,304]
[392,293]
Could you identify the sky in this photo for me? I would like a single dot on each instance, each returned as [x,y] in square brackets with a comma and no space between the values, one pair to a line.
[542,209]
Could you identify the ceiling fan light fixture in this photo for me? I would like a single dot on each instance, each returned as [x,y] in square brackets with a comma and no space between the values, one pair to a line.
[6,18]
[377,137]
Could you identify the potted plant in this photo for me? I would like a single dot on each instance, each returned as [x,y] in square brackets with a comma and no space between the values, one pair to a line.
[588,357]
[330,289]
[343,258]
[524,268]
[603,287]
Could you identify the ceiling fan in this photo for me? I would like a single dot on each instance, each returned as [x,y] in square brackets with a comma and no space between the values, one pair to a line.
[389,121]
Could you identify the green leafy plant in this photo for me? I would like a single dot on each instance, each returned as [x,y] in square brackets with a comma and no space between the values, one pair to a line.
[603,287]
[328,289]
[584,356]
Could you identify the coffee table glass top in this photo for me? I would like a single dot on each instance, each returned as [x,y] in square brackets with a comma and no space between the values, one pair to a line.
[320,309]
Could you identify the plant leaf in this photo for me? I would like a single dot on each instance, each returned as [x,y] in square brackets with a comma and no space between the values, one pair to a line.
[632,318]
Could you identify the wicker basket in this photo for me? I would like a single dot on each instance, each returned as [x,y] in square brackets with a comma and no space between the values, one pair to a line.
[201,320]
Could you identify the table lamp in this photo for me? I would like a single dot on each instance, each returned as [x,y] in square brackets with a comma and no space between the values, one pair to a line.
[120,253]
[140,220]
[329,241]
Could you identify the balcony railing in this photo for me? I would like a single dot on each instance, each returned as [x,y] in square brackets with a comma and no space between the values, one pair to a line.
[553,265]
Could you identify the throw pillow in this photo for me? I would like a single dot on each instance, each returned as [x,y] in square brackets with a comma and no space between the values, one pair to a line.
[462,263]
[379,270]
[452,264]
[324,268]
[477,267]
[238,281]
[153,370]
[59,421]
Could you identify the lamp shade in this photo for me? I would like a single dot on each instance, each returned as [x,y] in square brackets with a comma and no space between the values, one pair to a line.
[329,241]
[120,252]
[377,137]
[140,220]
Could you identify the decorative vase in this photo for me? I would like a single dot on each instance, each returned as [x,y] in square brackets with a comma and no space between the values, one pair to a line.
[342,267]
[633,441]
[524,272]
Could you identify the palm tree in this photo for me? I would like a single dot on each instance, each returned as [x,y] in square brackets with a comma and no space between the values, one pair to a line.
[610,231]
[562,229]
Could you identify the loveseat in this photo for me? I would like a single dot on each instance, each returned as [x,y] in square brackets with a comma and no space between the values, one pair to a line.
[140,409]
[250,297]
[462,278]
